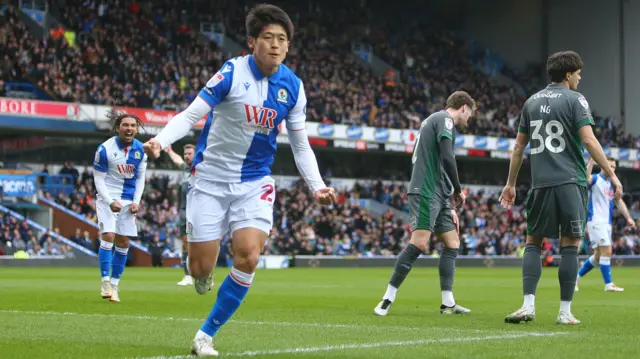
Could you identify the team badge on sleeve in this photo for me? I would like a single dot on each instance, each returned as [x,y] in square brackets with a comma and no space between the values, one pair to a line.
[215,79]
[448,123]
[97,158]
[583,102]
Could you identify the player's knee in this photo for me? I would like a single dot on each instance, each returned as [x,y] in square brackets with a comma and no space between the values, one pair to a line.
[122,242]
[108,237]
[247,258]
[452,242]
[421,243]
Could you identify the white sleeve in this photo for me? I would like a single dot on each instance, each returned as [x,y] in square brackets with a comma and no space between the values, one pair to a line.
[298,114]
[181,123]
[101,186]
[305,159]
[140,181]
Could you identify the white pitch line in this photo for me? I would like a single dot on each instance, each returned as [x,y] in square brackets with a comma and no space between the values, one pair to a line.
[371,345]
[241,322]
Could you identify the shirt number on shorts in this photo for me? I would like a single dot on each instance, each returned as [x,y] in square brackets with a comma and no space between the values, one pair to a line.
[554,131]
[268,193]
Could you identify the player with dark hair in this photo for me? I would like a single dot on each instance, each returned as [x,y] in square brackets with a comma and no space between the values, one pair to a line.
[230,188]
[434,181]
[599,224]
[119,176]
[556,122]
[184,163]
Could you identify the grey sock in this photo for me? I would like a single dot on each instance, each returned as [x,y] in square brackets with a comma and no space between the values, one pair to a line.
[403,265]
[568,272]
[531,268]
[447,268]
[183,262]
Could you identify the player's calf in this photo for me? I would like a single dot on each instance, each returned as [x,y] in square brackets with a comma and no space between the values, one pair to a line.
[447,269]
[202,261]
[404,263]
[247,244]
[105,257]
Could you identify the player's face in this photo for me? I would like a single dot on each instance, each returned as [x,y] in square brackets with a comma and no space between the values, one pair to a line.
[574,79]
[613,165]
[188,156]
[271,46]
[127,130]
[465,115]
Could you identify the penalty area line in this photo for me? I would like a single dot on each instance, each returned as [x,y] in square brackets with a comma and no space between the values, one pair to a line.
[370,345]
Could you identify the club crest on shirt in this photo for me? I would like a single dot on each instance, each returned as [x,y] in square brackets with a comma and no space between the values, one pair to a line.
[137,155]
[283,96]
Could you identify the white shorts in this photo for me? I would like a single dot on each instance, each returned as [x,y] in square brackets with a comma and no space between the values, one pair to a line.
[599,234]
[217,208]
[122,223]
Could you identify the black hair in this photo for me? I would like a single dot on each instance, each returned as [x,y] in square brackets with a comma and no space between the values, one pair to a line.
[116,117]
[561,63]
[263,15]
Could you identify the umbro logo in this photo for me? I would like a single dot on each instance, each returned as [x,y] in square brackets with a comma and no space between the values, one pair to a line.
[246,85]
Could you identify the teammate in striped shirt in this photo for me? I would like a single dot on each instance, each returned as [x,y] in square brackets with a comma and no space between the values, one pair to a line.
[119,175]
[599,225]
[231,191]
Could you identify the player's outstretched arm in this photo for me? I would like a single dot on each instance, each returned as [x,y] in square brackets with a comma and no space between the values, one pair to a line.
[175,158]
[178,127]
[595,150]
[308,166]
[302,152]
[508,196]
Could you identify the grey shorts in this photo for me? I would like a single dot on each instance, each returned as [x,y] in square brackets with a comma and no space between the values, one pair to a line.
[557,211]
[431,214]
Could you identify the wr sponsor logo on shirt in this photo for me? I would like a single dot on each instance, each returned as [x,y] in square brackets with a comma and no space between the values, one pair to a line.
[126,170]
[262,119]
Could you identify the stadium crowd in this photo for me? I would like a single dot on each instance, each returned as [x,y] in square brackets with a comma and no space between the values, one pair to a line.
[20,236]
[301,226]
[151,55]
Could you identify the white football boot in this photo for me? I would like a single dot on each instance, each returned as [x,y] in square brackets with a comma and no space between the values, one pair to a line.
[105,290]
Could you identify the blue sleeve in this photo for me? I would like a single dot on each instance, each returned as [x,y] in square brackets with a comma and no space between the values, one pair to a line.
[100,162]
[218,86]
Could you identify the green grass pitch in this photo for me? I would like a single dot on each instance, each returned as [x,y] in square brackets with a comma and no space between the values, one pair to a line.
[312,313]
